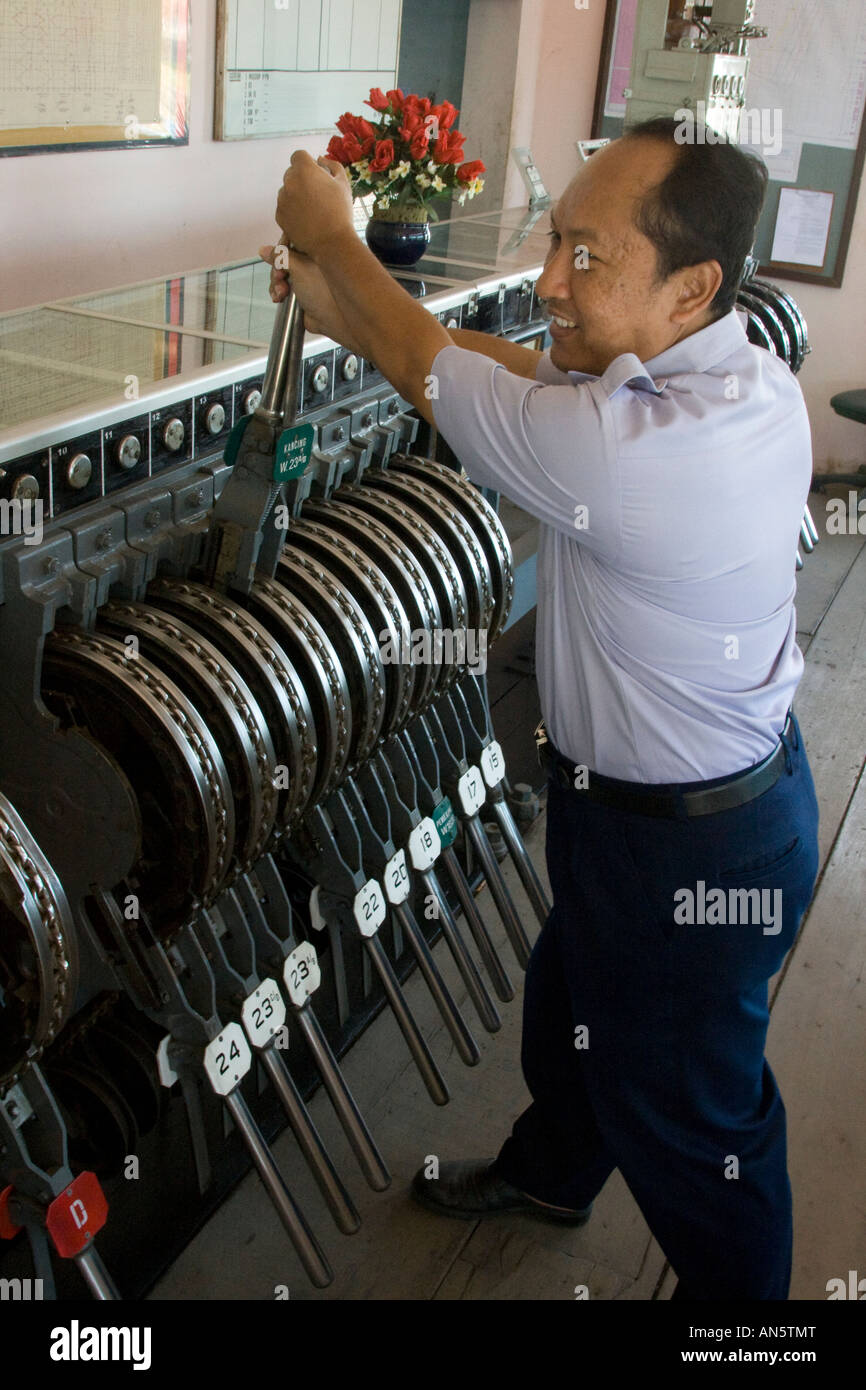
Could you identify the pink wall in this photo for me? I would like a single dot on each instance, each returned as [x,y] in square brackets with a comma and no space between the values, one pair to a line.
[77,222]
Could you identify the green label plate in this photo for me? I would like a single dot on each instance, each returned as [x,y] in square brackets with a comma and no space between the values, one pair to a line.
[446,822]
[294,447]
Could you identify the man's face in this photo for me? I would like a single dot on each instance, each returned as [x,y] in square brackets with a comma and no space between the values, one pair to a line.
[600,272]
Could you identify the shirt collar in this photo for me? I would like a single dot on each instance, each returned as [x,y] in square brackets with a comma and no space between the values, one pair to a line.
[697,353]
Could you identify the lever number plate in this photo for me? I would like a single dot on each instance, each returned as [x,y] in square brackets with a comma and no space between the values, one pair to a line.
[369,908]
[424,845]
[397,878]
[301,973]
[471,791]
[227,1059]
[492,764]
[294,448]
[263,1013]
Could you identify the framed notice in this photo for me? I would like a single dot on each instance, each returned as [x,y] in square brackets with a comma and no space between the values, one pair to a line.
[284,66]
[93,74]
[802,227]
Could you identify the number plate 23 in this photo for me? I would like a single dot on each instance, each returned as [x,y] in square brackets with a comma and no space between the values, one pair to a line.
[301,973]
[263,1013]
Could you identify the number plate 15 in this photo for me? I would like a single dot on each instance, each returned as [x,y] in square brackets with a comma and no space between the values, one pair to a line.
[301,973]
[492,764]
[227,1059]
[263,1013]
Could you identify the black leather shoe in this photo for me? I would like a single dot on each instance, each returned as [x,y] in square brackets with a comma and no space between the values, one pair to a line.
[470,1190]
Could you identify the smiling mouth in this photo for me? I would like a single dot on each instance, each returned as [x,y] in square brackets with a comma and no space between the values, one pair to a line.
[561,322]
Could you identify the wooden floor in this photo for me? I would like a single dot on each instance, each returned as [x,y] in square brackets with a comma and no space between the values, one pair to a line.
[817,1048]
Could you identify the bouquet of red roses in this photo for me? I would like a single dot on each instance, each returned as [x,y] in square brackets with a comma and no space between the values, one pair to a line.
[412,154]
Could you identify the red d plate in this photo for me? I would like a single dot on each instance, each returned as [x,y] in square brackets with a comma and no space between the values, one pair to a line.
[76,1215]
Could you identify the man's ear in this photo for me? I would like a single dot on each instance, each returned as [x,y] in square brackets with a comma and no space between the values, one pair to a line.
[697,288]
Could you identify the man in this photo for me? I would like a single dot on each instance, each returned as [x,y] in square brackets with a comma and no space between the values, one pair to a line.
[669,462]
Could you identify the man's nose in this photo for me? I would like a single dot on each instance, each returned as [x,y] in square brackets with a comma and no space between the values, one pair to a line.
[555,281]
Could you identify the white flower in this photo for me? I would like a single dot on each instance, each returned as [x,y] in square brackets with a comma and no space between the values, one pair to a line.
[438,184]
[399,171]
[475,187]
[383,202]
[462,199]
[423,181]
[362,166]
[432,166]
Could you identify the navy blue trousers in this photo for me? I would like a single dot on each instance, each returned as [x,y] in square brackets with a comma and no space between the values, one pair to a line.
[645,1019]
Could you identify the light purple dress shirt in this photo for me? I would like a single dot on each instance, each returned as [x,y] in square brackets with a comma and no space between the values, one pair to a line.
[670,495]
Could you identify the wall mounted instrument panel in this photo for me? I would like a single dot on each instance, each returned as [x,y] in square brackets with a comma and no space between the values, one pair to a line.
[236,805]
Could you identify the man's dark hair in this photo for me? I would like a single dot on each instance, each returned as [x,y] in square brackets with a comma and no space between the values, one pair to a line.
[706,208]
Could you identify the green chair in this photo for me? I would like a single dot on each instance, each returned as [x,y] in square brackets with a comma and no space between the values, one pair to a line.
[851,404]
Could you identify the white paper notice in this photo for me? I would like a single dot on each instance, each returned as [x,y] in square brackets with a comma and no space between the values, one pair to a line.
[802,226]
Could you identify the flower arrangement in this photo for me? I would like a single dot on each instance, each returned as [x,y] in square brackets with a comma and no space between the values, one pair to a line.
[412,154]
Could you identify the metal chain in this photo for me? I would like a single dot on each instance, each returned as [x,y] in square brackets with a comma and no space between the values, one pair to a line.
[151,681]
[283,598]
[356,618]
[57,924]
[253,724]
[268,649]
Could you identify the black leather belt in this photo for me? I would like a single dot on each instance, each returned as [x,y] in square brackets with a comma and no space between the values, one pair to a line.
[671,800]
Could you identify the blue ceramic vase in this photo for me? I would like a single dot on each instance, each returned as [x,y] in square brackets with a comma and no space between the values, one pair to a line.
[398,243]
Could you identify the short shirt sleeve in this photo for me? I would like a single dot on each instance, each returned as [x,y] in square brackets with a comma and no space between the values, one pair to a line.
[548,447]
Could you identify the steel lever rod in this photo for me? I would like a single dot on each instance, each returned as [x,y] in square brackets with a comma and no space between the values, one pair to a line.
[467,1048]
[95,1275]
[310,1143]
[370,1160]
[294,1223]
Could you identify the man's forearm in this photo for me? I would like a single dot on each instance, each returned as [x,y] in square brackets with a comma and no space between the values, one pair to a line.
[521,361]
[385,323]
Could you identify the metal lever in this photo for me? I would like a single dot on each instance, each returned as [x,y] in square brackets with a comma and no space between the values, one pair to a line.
[270,916]
[239,541]
[449,739]
[424,761]
[469,696]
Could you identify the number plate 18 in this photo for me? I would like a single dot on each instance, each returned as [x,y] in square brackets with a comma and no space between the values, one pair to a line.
[424,845]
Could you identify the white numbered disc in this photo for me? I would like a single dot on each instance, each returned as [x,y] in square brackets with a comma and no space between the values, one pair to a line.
[492,764]
[397,878]
[263,1013]
[369,908]
[227,1059]
[471,791]
[301,973]
[316,919]
[424,844]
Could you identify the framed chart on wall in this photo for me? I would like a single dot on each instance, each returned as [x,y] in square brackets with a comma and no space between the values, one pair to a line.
[805,115]
[93,74]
